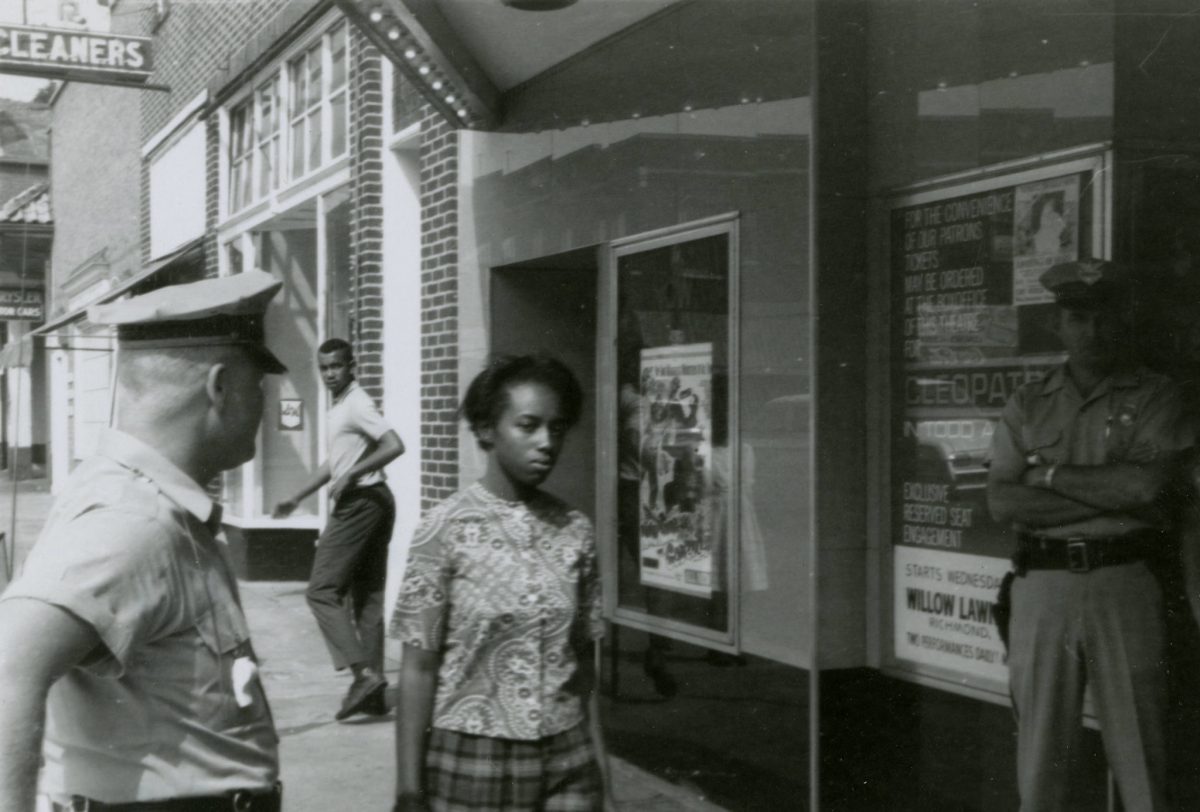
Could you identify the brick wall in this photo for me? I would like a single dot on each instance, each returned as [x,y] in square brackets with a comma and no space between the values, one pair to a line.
[194,43]
[366,202]
[439,308]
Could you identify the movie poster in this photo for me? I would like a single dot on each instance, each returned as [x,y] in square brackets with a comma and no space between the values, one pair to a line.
[675,539]
[1045,233]
[970,327]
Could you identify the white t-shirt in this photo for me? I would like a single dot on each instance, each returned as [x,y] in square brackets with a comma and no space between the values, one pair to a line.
[355,427]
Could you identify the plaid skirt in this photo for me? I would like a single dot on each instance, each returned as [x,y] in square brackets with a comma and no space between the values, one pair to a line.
[556,773]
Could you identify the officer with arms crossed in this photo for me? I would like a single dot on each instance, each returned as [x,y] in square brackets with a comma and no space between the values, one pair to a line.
[1078,460]
[345,589]
[124,652]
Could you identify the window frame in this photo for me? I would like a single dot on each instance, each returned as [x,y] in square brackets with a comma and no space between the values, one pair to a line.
[278,144]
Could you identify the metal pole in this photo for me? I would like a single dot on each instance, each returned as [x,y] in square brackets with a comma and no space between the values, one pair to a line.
[10,551]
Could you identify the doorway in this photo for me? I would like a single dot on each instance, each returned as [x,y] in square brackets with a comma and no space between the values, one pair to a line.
[548,305]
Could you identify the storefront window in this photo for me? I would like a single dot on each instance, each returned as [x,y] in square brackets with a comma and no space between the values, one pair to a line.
[241,129]
[318,103]
[315,120]
[268,137]
[674,458]
[683,204]
[339,299]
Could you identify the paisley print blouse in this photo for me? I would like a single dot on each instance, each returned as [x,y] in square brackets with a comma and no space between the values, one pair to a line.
[509,593]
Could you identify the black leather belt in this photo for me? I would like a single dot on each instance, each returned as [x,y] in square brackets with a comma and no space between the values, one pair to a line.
[243,800]
[1085,554]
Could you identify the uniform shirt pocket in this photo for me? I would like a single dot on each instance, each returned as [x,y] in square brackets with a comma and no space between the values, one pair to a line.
[226,639]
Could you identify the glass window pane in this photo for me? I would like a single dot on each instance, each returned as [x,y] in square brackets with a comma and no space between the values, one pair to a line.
[337,48]
[235,186]
[298,149]
[314,77]
[337,138]
[314,140]
[266,165]
[296,103]
[247,178]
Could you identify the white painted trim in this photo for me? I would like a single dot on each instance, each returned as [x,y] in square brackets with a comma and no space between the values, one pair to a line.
[175,124]
[408,138]
[321,182]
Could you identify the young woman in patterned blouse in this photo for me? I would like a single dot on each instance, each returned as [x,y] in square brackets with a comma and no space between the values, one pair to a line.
[498,613]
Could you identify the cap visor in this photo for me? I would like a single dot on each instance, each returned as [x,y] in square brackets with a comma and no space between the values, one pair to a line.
[266,360]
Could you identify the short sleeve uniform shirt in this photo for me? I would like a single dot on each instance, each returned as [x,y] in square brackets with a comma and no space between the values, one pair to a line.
[159,710]
[508,593]
[355,426]
[1128,416]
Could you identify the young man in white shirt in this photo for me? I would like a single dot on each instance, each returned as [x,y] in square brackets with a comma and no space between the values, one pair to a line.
[345,590]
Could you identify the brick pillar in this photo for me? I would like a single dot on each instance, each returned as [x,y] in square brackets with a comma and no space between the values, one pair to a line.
[212,192]
[366,202]
[439,308]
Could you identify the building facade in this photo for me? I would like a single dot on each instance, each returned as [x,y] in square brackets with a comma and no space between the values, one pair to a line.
[26,229]
[791,248]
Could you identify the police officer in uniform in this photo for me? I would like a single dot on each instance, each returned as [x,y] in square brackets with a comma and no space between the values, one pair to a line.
[124,654]
[1078,461]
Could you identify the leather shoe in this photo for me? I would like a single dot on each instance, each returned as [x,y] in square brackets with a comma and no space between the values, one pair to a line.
[363,692]
[377,705]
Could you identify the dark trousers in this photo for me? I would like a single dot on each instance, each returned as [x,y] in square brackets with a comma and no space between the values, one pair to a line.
[345,590]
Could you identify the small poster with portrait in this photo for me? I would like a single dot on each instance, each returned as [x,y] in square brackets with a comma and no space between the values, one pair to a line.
[291,414]
[675,536]
[1045,233]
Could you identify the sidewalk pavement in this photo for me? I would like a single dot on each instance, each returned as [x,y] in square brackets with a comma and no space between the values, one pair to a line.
[327,766]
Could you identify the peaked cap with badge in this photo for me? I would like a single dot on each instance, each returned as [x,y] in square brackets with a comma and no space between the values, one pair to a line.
[1086,284]
[227,310]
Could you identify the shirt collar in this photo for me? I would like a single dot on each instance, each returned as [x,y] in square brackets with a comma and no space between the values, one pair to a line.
[346,392]
[177,486]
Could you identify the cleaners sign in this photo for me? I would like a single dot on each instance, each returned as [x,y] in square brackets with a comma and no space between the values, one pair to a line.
[75,55]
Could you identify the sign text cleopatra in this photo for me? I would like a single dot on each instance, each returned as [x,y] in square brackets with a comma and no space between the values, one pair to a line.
[51,47]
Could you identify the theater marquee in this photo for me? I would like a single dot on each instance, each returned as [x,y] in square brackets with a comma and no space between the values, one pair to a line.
[75,55]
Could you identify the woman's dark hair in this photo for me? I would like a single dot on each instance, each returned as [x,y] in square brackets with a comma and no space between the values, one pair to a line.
[487,396]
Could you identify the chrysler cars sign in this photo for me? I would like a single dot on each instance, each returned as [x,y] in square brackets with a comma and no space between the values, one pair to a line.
[22,304]
[75,55]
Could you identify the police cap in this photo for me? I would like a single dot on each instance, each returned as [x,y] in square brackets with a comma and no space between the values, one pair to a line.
[212,312]
[1086,284]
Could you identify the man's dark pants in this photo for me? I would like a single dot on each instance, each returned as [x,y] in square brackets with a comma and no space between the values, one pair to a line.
[345,591]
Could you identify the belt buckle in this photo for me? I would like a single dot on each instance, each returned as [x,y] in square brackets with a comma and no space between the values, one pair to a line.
[242,801]
[1078,559]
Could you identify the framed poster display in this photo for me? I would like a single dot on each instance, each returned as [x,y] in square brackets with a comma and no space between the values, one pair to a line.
[969,324]
[668,470]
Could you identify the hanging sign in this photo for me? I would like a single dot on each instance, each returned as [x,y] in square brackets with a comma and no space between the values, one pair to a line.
[75,55]
[22,304]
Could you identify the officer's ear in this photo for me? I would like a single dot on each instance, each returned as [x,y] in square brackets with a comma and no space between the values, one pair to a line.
[216,385]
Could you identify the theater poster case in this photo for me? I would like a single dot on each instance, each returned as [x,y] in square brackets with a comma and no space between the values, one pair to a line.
[969,325]
[676,526]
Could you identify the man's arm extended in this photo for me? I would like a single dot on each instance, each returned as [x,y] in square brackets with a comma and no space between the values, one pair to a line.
[319,478]
[38,643]
[387,449]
